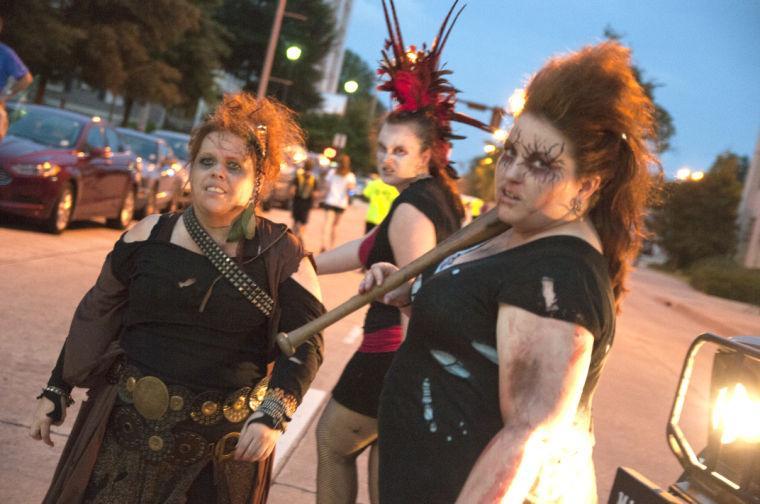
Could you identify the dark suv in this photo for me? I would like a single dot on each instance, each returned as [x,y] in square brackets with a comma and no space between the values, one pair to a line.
[58,166]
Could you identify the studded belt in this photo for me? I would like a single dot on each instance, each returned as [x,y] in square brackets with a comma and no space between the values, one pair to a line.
[149,411]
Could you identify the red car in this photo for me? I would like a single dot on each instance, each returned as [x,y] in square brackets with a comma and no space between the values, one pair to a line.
[58,166]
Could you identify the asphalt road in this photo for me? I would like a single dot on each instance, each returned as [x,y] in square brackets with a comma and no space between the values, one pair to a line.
[42,278]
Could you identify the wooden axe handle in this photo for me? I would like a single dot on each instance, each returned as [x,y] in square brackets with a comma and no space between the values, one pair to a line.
[484,227]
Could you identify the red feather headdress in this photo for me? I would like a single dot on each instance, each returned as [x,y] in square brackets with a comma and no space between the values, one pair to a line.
[417,82]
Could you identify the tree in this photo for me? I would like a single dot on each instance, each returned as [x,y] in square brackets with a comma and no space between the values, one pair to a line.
[479,181]
[249,24]
[44,37]
[358,121]
[127,46]
[198,55]
[697,220]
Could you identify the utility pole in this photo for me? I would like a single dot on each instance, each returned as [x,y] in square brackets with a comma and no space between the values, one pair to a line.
[273,38]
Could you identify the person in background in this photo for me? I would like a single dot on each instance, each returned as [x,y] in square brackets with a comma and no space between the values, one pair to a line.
[412,156]
[188,392]
[472,207]
[14,78]
[304,184]
[339,182]
[380,196]
[507,339]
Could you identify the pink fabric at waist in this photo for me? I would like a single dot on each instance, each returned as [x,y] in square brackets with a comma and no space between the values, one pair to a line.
[383,340]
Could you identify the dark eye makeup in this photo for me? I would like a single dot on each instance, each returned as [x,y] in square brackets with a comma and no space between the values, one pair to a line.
[543,163]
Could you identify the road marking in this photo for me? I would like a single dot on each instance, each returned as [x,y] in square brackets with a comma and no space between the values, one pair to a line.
[353,335]
[311,403]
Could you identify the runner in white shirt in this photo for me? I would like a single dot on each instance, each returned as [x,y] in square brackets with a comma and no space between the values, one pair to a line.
[339,182]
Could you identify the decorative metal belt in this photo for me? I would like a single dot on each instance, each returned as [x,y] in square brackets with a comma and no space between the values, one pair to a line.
[227,266]
[148,421]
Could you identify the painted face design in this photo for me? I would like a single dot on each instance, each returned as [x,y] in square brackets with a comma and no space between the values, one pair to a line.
[222,175]
[400,157]
[535,176]
[542,162]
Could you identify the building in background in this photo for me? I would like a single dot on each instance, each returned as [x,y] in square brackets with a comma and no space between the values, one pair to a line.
[332,102]
[749,215]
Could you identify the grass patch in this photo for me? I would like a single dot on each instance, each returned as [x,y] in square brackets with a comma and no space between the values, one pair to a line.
[725,278]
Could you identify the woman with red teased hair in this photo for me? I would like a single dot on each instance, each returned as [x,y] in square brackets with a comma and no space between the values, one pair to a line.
[489,397]
[188,394]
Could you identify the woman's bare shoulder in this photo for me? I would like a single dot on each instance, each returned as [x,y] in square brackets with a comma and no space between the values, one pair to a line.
[141,230]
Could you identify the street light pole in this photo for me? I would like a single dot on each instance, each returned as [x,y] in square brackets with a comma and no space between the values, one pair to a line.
[273,38]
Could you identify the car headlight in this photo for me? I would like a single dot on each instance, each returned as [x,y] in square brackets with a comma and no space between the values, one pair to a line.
[46,169]
[727,467]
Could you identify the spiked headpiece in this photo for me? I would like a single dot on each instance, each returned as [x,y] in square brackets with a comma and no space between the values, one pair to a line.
[416,80]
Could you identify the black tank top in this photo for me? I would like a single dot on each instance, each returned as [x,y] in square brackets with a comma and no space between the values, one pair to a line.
[431,197]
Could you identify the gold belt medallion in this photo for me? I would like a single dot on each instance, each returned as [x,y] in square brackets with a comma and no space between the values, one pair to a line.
[151,397]
[236,406]
[258,393]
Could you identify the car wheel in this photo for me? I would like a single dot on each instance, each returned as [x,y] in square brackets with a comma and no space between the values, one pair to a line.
[126,213]
[63,208]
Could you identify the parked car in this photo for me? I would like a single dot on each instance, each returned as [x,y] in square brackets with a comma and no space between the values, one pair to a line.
[179,144]
[58,166]
[161,181]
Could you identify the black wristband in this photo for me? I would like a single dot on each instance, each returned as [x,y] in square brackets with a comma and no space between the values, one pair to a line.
[57,401]
[270,422]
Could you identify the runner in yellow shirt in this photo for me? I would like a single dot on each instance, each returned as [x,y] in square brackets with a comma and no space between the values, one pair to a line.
[380,196]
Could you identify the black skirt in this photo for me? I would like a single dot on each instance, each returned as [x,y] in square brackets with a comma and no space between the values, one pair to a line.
[359,386]
[301,209]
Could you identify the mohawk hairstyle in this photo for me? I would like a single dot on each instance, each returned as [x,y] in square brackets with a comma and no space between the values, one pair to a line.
[416,80]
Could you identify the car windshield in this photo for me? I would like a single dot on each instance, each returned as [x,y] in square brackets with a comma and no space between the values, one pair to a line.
[144,148]
[178,145]
[46,128]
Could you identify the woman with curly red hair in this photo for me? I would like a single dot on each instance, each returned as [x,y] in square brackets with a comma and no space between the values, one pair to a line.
[188,394]
[489,397]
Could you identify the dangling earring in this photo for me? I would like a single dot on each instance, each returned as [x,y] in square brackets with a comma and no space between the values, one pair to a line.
[576,205]
[245,224]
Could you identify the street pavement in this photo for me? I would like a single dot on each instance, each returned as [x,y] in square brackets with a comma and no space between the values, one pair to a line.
[42,278]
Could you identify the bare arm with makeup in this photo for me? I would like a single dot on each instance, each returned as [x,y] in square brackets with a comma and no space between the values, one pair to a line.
[411,234]
[543,364]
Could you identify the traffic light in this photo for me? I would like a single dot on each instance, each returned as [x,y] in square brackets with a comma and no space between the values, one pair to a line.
[330,152]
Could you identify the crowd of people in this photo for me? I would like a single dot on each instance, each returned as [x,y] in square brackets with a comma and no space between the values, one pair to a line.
[473,383]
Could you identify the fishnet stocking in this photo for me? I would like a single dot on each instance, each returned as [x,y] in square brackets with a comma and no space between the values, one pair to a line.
[342,435]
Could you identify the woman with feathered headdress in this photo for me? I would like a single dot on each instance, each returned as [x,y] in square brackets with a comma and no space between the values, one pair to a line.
[413,156]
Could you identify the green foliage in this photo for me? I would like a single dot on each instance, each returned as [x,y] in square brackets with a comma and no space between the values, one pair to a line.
[198,55]
[320,129]
[720,276]
[43,37]
[479,181]
[362,110]
[697,220]
[355,68]
[249,24]
[129,40]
